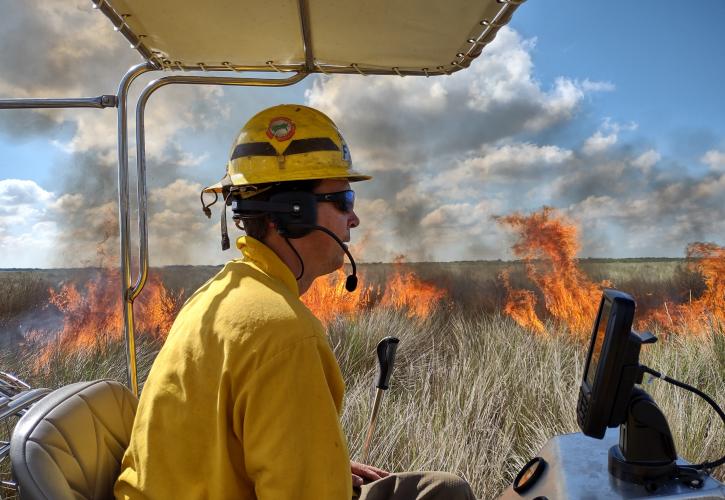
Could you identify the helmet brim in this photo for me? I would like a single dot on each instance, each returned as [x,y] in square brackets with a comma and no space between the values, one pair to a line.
[240,181]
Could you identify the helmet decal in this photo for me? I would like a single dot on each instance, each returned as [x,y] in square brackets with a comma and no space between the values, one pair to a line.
[281,128]
[346,153]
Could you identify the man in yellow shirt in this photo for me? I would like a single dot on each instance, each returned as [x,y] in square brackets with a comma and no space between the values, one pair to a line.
[243,401]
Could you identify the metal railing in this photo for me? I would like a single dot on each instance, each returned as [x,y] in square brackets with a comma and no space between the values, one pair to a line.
[120,101]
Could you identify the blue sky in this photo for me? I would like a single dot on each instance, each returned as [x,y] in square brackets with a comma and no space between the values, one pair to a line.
[666,64]
[610,112]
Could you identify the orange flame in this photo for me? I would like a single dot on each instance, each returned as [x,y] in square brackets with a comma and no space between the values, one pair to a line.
[707,259]
[405,291]
[520,305]
[328,298]
[95,313]
[548,244]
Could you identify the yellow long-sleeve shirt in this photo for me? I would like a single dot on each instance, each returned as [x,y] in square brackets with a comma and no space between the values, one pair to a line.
[243,400]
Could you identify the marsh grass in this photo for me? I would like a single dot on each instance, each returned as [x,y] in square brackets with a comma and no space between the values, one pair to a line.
[105,359]
[23,293]
[472,392]
[480,396]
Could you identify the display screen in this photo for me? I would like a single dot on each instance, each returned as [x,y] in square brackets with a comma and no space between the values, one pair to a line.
[598,341]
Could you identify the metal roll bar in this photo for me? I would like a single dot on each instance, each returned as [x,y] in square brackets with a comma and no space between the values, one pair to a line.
[124,222]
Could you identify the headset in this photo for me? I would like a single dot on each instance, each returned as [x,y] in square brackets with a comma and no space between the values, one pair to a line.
[294,214]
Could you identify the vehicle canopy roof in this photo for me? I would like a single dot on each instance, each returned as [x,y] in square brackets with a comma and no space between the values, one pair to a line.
[407,37]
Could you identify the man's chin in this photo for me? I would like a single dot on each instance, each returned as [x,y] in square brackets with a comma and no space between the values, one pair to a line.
[339,263]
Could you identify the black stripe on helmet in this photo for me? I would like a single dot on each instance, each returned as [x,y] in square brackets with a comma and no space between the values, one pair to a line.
[299,146]
[253,149]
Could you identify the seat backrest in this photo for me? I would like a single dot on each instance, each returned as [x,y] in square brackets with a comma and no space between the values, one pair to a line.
[70,444]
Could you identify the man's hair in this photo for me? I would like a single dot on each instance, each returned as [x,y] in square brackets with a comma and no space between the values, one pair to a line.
[256,224]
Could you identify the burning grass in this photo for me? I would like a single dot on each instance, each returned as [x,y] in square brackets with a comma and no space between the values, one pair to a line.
[403,291]
[95,310]
[548,244]
[474,394]
[92,314]
[692,316]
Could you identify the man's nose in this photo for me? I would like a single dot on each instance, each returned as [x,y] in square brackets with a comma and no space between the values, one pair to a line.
[353,220]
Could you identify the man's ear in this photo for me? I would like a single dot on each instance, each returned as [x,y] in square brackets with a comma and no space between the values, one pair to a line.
[299,214]
[271,226]
[270,234]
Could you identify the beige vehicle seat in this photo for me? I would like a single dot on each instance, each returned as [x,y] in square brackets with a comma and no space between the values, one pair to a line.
[70,444]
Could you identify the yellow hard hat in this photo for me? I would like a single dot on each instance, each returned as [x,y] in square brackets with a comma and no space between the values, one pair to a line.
[285,143]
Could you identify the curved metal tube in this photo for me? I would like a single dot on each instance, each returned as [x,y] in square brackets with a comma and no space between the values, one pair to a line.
[141,147]
[123,220]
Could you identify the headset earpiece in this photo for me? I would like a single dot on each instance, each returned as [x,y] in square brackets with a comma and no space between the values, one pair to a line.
[294,213]
[302,213]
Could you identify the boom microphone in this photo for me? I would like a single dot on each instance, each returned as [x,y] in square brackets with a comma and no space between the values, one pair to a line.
[295,214]
[351,280]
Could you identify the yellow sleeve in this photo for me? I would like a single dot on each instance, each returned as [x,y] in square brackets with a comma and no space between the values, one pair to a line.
[293,443]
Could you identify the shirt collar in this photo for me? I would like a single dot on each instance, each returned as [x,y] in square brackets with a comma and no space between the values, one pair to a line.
[264,258]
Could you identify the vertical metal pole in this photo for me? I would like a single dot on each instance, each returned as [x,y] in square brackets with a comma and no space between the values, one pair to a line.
[371,424]
[123,222]
[304,10]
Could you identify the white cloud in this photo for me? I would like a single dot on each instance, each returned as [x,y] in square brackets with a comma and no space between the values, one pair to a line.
[599,142]
[647,160]
[464,216]
[606,137]
[178,193]
[17,192]
[658,219]
[509,160]
[181,232]
[514,163]
[26,234]
[711,188]
[22,203]
[28,249]
[714,159]
[496,98]
[590,86]
[559,104]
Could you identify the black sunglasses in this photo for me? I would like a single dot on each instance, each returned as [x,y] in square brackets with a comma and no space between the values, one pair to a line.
[343,200]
